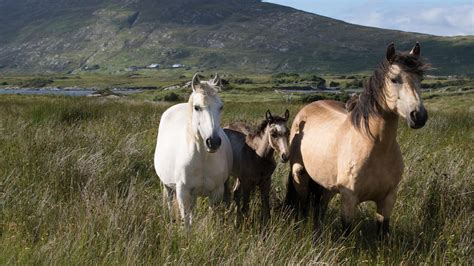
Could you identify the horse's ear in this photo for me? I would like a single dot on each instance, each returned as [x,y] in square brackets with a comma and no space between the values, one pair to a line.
[195,81]
[268,116]
[287,115]
[390,52]
[416,51]
[216,81]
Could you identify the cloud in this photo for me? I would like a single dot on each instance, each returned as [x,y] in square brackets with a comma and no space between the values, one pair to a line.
[451,20]
[455,17]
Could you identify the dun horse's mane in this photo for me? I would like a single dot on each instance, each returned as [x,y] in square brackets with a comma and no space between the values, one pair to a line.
[371,102]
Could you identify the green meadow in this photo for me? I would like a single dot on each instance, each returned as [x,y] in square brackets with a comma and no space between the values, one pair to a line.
[77,186]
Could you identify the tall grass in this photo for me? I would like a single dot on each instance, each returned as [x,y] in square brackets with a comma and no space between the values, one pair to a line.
[77,185]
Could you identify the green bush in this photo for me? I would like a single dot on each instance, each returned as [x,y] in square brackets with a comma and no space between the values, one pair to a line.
[169,97]
[312,98]
[36,83]
[334,84]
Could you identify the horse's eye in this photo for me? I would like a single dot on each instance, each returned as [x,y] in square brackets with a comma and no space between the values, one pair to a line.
[395,80]
[274,134]
[197,108]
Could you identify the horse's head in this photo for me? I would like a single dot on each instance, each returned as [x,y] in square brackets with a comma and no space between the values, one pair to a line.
[206,111]
[403,85]
[278,133]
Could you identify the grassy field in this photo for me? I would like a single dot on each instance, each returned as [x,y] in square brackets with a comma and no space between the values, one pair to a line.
[77,185]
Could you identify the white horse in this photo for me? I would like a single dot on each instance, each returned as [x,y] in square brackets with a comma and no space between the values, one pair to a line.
[193,156]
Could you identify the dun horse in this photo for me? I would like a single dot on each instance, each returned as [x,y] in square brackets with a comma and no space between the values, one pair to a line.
[193,156]
[253,158]
[355,152]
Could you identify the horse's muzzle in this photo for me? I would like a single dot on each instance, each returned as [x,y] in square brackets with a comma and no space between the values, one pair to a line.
[284,158]
[418,118]
[213,143]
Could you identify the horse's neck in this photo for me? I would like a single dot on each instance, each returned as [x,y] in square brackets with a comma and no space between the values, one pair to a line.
[384,129]
[261,145]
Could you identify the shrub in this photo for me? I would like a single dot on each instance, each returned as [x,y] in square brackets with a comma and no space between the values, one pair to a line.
[243,81]
[312,98]
[334,84]
[169,97]
[355,84]
[36,83]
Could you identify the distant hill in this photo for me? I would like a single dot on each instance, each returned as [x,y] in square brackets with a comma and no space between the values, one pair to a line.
[235,35]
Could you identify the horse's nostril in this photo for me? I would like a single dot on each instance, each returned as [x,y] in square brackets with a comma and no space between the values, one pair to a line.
[213,142]
[413,115]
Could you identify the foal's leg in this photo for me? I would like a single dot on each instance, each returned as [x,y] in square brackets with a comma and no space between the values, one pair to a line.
[265,187]
[384,210]
[237,194]
[348,209]
[247,189]
[186,202]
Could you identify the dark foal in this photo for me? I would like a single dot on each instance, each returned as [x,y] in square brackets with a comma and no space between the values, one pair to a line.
[253,158]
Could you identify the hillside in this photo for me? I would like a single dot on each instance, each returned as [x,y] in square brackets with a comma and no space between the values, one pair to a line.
[236,35]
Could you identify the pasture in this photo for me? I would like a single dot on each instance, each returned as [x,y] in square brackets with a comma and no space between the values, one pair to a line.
[77,185]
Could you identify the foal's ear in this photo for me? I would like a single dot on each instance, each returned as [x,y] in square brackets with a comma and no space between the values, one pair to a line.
[286,115]
[268,116]
[195,81]
[390,52]
[416,51]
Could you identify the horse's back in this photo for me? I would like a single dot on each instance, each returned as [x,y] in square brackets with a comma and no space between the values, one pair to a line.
[171,132]
[240,127]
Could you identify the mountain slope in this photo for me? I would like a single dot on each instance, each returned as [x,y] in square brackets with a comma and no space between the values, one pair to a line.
[239,35]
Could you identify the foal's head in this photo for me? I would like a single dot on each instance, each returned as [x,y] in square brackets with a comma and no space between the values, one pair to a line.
[278,133]
[206,111]
[403,85]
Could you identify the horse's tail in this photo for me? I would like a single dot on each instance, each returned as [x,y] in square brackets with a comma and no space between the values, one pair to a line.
[291,198]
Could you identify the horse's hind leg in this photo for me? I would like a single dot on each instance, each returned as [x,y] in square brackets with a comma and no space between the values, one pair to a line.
[300,183]
[169,196]
[320,198]
[384,210]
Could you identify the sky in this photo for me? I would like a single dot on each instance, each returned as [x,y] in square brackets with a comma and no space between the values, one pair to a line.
[444,18]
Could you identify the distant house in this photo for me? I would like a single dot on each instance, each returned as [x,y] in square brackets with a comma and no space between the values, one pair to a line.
[153,66]
[177,65]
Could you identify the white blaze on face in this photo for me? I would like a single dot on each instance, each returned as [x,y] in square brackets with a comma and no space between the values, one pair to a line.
[279,138]
[403,95]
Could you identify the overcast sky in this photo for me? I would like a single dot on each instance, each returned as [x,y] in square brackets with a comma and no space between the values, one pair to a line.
[446,18]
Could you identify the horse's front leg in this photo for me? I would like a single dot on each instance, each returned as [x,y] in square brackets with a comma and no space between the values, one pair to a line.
[384,210]
[265,187]
[216,196]
[186,202]
[348,209]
